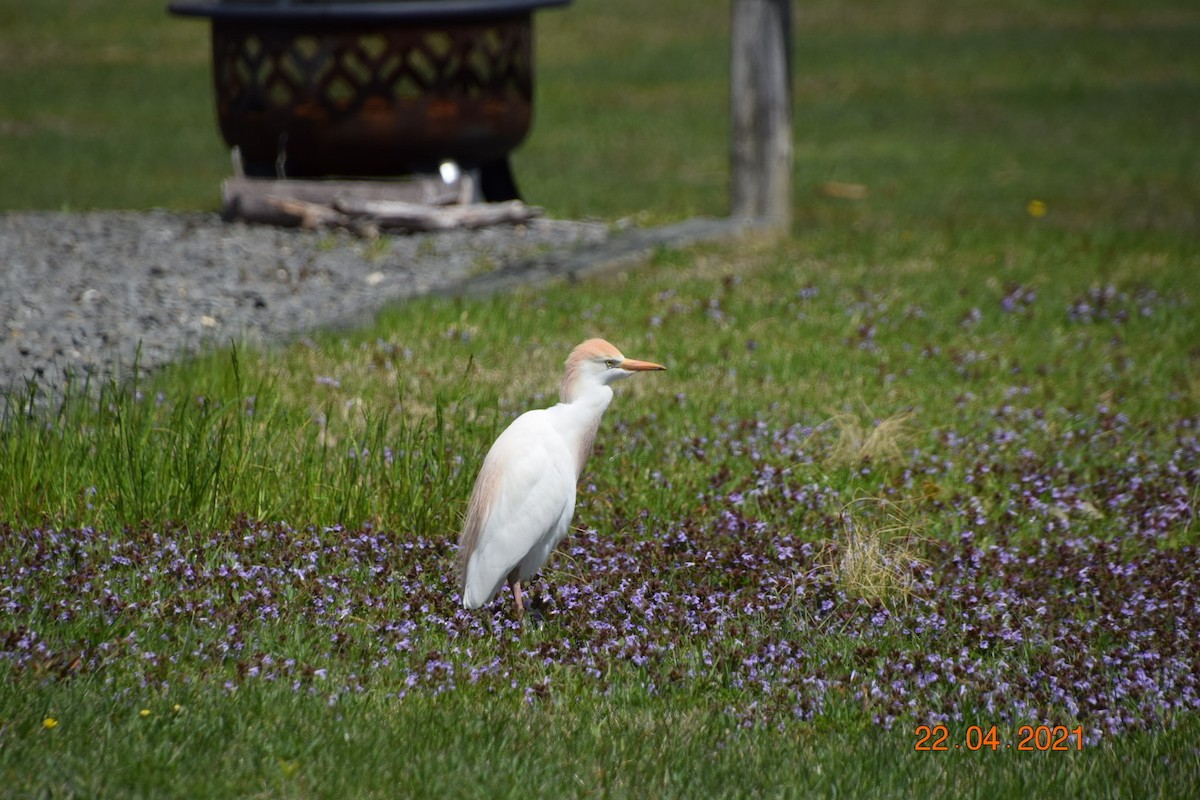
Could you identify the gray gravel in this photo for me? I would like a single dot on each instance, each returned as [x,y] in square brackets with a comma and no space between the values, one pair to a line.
[81,293]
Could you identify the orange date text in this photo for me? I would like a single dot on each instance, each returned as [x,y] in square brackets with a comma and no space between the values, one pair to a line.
[977,737]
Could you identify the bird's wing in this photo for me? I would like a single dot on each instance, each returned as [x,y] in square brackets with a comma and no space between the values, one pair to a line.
[524,494]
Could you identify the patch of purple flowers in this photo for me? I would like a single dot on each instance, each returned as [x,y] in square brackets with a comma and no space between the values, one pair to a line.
[1107,303]
[1049,595]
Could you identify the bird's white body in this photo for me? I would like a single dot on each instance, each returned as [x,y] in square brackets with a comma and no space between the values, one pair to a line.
[530,475]
[524,497]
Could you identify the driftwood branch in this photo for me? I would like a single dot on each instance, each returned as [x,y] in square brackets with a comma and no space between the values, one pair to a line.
[416,217]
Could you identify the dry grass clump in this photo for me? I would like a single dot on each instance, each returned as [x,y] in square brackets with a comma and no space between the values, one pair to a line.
[876,551]
[860,442]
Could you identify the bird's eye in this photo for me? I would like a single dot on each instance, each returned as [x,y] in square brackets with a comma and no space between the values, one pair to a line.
[611,362]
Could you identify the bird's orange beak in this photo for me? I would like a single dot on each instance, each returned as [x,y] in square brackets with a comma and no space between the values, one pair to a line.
[639,366]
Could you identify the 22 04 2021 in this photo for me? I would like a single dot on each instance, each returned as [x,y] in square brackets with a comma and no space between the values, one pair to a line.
[1029,737]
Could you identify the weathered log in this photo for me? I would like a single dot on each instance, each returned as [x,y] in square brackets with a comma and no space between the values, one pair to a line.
[365,206]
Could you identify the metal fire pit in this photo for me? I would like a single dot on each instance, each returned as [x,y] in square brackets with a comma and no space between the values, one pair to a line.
[372,89]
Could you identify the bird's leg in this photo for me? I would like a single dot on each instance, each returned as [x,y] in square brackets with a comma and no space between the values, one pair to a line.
[518,599]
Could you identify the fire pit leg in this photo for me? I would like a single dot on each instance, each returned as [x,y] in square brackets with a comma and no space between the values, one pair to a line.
[496,181]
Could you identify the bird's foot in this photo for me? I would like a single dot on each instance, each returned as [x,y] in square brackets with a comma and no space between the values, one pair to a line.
[533,617]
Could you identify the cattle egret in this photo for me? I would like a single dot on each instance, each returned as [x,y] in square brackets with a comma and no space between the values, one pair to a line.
[524,497]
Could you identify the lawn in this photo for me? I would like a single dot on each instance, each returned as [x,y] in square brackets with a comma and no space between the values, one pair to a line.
[930,461]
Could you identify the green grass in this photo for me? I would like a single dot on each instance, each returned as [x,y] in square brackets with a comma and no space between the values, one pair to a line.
[213,449]
[937,301]
[105,105]
[269,743]
[888,332]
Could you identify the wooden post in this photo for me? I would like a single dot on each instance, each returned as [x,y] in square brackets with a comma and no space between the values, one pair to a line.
[760,99]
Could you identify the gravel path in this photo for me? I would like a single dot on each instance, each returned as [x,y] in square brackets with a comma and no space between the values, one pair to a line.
[80,293]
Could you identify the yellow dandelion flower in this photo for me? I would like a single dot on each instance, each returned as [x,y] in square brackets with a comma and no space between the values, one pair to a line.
[145,712]
[49,722]
[175,709]
[1036,209]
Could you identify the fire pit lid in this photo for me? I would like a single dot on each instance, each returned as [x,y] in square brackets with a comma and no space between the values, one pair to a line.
[355,10]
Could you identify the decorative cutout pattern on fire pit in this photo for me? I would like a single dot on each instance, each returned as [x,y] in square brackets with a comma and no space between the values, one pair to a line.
[261,70]
[373,100]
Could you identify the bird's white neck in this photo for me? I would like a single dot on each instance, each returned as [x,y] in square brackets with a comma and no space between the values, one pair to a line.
[581,416]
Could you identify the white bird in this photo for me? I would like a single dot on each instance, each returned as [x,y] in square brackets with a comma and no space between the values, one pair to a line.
[524,497]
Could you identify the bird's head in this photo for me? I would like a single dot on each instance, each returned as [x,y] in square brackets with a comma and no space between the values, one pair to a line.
[597,363]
